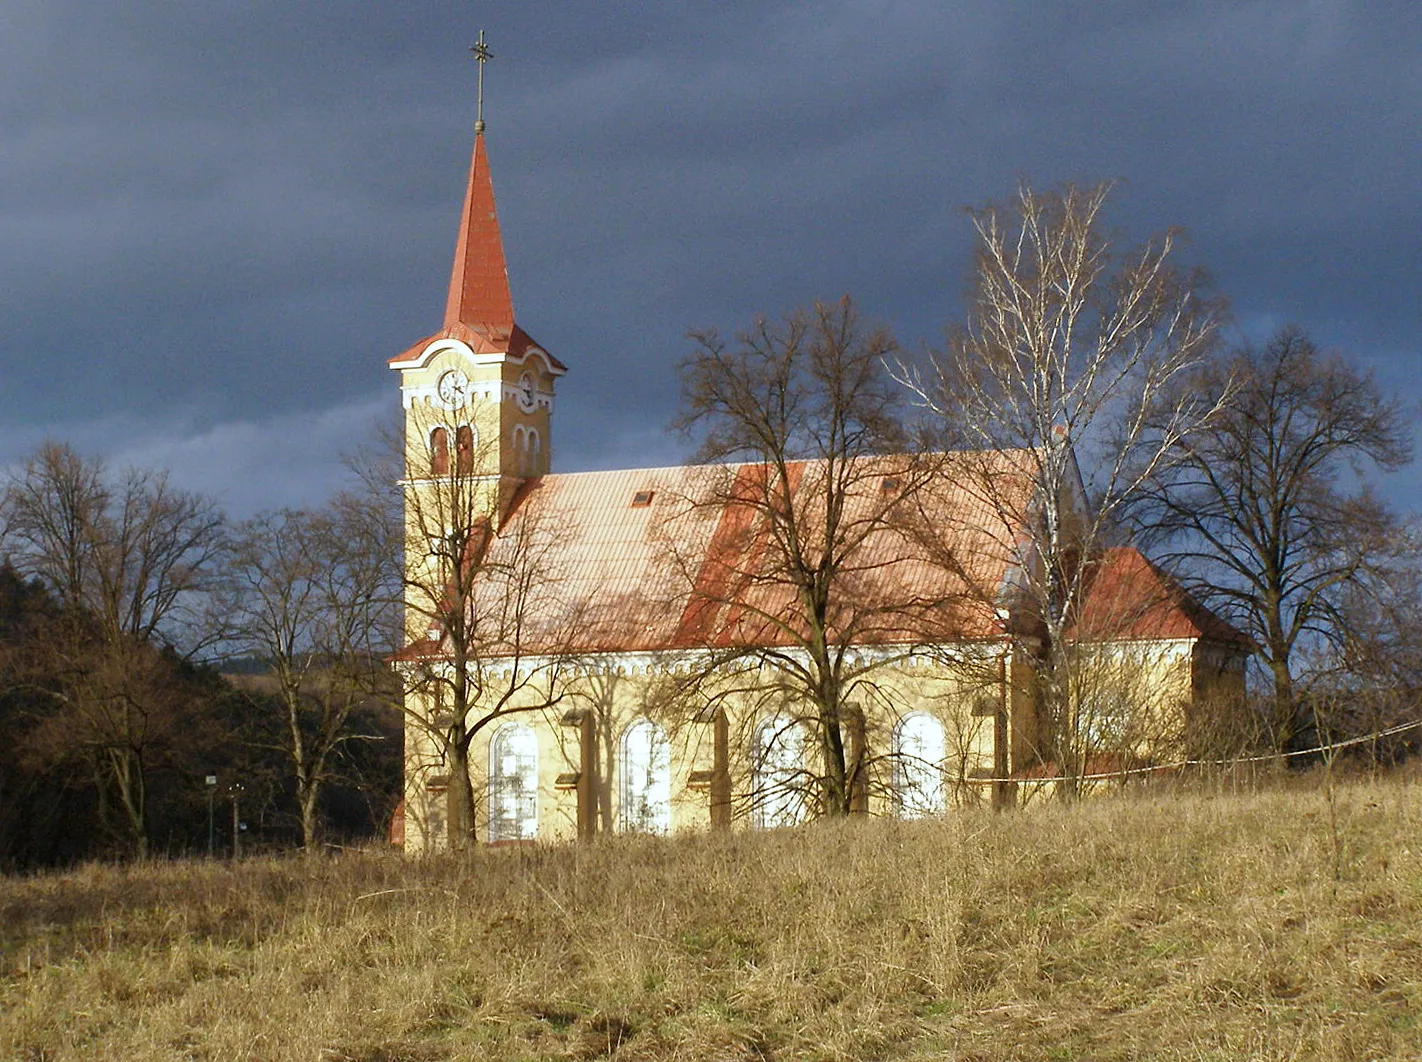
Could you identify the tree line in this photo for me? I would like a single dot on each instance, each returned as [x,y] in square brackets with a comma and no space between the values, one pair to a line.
[1100,372]
[161,666]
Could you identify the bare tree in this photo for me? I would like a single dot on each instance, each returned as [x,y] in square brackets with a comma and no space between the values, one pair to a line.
[797,593]
[486,628]
[1066,362]
[1269,512]
[312,598]
[1377,668]
[131,560]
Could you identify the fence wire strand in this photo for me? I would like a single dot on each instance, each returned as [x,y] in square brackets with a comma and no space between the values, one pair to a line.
[1161,768]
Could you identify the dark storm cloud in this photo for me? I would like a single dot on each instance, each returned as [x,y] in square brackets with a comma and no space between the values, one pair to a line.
[222,216]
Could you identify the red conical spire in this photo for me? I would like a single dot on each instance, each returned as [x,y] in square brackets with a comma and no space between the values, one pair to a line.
[479,285]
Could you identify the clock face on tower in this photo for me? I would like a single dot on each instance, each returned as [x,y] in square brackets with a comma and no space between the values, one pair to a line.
[525,392]
[453,388]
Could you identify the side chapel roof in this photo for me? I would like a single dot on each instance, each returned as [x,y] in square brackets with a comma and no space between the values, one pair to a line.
[1130,599]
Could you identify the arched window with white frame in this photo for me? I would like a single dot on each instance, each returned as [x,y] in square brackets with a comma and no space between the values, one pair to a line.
[919,749]
[646,778]
[778,774]
[513,784]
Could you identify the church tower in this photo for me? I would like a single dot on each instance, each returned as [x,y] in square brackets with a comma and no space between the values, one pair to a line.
[478,394]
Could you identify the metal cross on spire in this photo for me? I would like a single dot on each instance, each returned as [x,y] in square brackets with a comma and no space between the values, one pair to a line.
[481,56]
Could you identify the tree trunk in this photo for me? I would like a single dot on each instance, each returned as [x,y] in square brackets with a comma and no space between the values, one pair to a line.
[1064,729]
[128,776]
[459,800]
[836,787]
[1285,722]
[309,798]
[306,784]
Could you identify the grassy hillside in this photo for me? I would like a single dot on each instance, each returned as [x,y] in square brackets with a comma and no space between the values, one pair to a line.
[1269,926]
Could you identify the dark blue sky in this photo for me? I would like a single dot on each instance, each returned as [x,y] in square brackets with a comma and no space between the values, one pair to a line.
[217,221]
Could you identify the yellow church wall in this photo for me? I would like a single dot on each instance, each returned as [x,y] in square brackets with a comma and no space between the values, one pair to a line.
[1219,722]
[1024,726]
[1137,694]
[887,694]
[949,693]
[975,697]
[424,807]
[1141,705]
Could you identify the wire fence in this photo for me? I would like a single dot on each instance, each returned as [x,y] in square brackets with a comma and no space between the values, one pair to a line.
[1328,748]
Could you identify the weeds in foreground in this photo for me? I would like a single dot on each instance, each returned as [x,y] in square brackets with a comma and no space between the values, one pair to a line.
[1186,928]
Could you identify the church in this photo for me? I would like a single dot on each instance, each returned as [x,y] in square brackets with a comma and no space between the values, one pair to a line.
[600,652]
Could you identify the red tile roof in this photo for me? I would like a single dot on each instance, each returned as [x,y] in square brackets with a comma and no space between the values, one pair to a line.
[677,571]
[1128,598]
[683,573]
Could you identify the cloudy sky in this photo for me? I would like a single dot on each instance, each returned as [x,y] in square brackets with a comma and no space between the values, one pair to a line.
[218,220]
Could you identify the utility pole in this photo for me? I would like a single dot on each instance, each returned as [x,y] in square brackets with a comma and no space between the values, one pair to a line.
[236,821]
[211,825]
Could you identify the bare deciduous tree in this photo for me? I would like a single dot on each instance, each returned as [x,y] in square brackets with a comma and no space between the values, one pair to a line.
[131,559]
[485,624]
[1067,360]
[1377,668]
[312,597]
[1269,511]
[792,586]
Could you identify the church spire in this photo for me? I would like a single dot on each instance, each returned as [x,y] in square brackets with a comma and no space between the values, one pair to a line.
[479,295]
[479,284]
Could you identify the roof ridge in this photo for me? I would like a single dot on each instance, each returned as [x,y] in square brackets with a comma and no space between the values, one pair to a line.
[732,465]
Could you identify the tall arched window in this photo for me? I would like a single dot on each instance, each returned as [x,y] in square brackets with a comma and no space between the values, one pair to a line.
[919,748]
[464,449]
[513,784]
[779,778]
[439,451]
[646,778]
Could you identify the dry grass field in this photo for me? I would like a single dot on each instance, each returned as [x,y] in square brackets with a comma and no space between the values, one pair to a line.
[1274,925]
